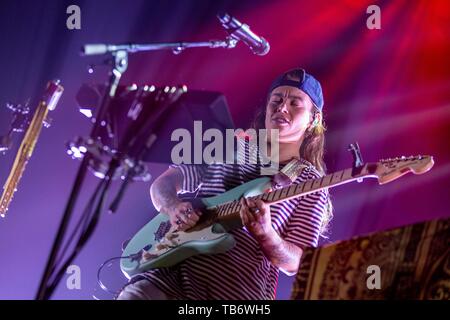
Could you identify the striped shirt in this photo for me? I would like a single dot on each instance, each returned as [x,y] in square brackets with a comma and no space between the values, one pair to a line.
[243,272]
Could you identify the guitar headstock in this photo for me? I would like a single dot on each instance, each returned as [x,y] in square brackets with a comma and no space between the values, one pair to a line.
[390,169]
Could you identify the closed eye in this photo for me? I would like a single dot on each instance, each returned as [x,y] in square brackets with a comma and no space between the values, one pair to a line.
[276,102]
[297,102]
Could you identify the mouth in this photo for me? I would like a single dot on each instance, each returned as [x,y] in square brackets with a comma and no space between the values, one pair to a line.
[280,120]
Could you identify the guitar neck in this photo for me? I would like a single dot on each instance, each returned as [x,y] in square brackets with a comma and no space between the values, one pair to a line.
[331,180]
[231,209]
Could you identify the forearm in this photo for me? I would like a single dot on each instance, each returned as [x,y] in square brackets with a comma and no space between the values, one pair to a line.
[281,253]
[164,189]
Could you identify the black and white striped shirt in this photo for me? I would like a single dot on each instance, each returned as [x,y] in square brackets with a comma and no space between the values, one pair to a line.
[243,272]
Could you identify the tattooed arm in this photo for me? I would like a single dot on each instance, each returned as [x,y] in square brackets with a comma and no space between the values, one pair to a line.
[281,253]
[165,188]
[164,192]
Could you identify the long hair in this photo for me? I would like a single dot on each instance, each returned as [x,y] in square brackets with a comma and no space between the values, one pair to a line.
[312,149]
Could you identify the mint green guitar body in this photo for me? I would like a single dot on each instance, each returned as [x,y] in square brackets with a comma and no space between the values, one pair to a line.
[156,245]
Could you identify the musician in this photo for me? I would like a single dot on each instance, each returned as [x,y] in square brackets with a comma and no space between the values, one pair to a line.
[274,236]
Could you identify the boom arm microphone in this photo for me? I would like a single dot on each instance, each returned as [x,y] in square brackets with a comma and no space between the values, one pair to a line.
[240,31]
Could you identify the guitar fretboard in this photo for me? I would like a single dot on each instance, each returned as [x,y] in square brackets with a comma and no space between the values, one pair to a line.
[303,188]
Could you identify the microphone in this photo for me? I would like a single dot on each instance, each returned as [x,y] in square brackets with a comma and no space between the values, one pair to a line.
[240,31]
[94,49]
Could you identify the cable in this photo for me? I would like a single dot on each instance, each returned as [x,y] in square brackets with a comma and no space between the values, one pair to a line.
[83,218]
[99,281]
[89,228]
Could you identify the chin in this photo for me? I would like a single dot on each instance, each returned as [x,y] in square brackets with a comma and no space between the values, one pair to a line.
[281,127]
[282,131]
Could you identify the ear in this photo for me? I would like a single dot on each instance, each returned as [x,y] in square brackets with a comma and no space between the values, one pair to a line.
[317,119]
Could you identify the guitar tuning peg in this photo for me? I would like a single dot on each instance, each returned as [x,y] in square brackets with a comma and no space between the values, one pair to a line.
[356,153]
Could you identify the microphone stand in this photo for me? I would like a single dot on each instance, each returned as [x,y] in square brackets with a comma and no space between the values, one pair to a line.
[176,47]
[137,169]
[119,60]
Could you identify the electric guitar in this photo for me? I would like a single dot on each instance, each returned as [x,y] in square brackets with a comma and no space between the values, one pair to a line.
[158,245]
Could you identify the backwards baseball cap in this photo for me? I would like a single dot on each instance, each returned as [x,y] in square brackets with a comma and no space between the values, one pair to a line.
[307,84]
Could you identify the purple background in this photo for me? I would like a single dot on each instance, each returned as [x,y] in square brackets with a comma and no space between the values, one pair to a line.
[388,89]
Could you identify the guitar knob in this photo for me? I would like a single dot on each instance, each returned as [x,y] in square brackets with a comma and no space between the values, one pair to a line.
[161,246]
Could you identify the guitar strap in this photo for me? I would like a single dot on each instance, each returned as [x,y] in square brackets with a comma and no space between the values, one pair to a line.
[288,174]
[285,176]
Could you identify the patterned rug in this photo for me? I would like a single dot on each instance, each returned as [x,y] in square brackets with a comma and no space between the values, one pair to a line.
[412,262]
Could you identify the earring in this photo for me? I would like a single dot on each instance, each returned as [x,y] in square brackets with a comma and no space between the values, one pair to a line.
[315,122]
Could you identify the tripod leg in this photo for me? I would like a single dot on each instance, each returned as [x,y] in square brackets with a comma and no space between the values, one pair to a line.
[43,292]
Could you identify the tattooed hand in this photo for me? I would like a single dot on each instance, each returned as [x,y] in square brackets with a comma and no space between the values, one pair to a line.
[255,216]
[182,215]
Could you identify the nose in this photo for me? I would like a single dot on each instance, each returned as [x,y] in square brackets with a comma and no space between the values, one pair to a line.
[282,107]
